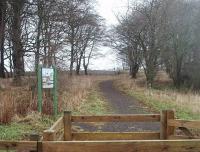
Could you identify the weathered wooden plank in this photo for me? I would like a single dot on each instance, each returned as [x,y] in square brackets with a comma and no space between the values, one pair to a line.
[118,118]
[115,136]
[54,132]
[186,131]
[170,129]
[163,125]
[48,135]
[20,146]
[123,146]
[67,126]
[165,129]
[34,137]
[184,123]
[58,125]
[173,137]
[60,138]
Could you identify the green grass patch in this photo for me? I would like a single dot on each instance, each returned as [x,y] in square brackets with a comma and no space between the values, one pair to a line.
[14,131]
[21,130]
[156,105]
[94,104]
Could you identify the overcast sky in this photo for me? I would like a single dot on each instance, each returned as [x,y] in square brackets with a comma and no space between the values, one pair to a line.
[108,9]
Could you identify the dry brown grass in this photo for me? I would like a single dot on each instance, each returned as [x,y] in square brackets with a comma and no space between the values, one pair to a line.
[23,100]
[183,100]
[14,102]
[74,89]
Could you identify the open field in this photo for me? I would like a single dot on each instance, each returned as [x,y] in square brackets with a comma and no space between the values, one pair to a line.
[163,96]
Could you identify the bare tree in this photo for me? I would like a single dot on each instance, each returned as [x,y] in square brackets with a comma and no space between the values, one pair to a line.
[161,31]
[180,31]
[126,44]
[91,35]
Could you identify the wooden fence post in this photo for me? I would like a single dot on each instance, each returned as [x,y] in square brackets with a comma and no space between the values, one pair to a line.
[165,129]
[163,125]
[170,129]
[67,126]
[48,135]
[34,137]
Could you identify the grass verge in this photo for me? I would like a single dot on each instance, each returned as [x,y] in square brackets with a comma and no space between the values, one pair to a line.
[94,104]
[21,128]
[157,105]
[157,100]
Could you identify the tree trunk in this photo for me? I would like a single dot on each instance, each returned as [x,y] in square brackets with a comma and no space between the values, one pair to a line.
[18,52]
[71,60]
[178,77]
[150,73]
[86,70]
[78,69]
[2,38]
[39,26]
[78,66]
[85,65]
[72,53]
[10,60]
[134,70]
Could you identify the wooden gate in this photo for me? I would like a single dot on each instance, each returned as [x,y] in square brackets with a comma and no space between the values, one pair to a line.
[62,129]
[104,146]
[61,138]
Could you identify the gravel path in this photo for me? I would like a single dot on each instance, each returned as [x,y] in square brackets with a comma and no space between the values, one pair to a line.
[121,104]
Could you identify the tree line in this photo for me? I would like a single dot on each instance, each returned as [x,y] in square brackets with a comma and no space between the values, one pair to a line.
[161,34]
[65,33]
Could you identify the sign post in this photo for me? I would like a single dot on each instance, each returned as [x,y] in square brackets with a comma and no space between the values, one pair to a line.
[55,97]
[39,78]
[47,79]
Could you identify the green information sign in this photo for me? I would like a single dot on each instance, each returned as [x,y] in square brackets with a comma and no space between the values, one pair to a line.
[47,79]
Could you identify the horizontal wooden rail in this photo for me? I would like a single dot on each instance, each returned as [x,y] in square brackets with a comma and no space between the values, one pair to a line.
[118,118]
[184,123]
[104,146]
[115,136]
[173,137]
[19,146]
[123,146]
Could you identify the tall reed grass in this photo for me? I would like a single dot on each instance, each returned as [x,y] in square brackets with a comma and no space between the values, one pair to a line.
[14,102]
[23,100]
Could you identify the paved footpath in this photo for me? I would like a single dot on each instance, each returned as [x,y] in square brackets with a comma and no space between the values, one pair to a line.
[121,104]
